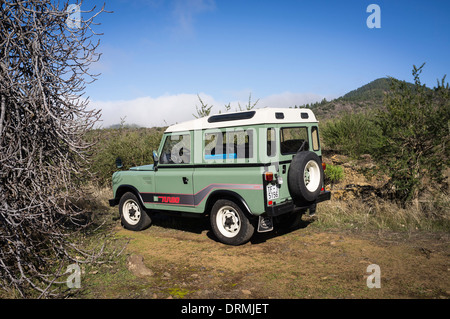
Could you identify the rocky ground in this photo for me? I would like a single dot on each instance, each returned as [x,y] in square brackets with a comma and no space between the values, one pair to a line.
[187,262]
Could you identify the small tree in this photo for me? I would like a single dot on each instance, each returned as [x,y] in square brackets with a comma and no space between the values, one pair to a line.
[250,105]
[204,109]
[415,135]
[44,65]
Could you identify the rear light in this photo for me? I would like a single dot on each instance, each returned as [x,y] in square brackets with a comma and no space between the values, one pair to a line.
[324,166]
[268,176]
[270,203]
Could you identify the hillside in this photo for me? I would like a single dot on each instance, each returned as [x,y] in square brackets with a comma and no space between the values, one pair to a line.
[368,96]
[372,91]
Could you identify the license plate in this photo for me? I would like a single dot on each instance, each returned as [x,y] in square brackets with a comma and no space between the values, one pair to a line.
[272,192]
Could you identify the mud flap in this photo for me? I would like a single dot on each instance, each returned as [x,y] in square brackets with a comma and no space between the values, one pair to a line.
[265,224]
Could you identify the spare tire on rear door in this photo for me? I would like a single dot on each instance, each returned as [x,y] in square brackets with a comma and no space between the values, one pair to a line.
[305,178]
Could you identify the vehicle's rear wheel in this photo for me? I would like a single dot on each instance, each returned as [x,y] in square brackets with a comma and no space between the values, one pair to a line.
[305,178]
[229,223]
[133,216]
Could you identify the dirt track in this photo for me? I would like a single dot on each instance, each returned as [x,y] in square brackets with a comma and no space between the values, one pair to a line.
[187,262]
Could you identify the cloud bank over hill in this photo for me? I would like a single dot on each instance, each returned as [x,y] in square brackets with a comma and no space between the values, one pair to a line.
[170,109]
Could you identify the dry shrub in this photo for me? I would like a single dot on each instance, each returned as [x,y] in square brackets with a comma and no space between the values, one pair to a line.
[44,116]
[431,215]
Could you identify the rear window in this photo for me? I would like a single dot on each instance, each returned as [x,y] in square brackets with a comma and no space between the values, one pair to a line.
[292,138]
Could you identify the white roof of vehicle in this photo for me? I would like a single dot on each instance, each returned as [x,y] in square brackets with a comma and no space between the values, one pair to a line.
[251,117]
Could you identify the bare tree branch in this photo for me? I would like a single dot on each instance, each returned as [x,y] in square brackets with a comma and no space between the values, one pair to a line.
[44,68]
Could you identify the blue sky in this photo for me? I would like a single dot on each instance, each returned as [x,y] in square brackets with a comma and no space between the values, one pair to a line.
[159,54]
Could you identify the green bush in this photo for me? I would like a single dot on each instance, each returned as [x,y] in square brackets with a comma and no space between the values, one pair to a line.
[415,130]
[133,145]
[408,137]
[333,174]
[352,134]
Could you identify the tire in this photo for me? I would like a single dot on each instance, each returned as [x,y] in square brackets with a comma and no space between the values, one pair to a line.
[229,223]
[132,214]
[305,178]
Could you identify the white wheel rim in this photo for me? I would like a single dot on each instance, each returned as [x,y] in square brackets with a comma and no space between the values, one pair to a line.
[131,212]
[228,222]
[311,176]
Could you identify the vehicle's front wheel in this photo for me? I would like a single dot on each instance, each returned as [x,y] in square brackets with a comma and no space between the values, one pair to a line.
[132,214]
[229,223]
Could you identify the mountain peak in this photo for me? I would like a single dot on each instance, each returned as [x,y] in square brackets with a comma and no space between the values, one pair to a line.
[372,90]
[368,96]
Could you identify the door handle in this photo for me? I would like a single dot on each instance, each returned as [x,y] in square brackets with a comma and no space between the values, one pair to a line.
[185,180]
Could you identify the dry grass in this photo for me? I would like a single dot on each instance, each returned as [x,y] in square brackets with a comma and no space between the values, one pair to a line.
[432,215]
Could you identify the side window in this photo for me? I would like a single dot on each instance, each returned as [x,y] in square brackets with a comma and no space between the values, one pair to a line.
[292,138]
[315,138]
[176,149]
[240,142]
[271,142]
[214,146]
[229,145]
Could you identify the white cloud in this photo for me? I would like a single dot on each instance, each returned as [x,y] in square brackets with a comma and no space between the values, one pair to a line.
[171,109]
[149,112]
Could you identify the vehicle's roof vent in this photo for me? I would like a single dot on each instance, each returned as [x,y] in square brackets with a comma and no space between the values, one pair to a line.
[231,117]
[304,115]
[279,115]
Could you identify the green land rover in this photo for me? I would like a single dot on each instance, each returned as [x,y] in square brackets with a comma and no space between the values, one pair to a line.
[246,170]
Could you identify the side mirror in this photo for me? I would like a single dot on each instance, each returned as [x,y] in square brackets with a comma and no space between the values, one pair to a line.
[155,158]
[119,163]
